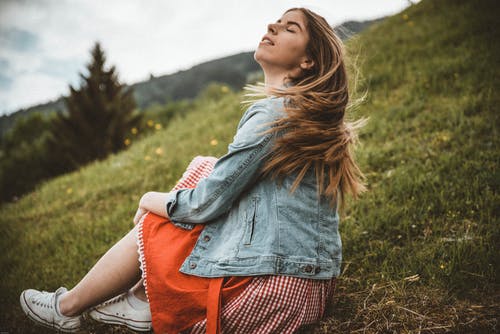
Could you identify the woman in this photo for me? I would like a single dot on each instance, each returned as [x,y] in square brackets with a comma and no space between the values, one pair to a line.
[248,243]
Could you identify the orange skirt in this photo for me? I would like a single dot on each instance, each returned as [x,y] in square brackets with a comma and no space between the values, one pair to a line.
[179,301]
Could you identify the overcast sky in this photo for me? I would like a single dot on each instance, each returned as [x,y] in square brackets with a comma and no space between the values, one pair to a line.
[44,44]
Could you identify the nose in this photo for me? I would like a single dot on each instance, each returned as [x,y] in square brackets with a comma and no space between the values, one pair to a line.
[272,28]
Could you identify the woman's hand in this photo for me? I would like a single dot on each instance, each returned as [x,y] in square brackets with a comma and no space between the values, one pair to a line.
[139,215]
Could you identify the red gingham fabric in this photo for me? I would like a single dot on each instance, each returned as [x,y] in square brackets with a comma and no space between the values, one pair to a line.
[274,304]
[199,168]
[268,304]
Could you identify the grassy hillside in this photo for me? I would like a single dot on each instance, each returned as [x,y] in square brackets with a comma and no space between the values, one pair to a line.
[420,247]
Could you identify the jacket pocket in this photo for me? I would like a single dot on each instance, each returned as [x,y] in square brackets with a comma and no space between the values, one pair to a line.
[250,222]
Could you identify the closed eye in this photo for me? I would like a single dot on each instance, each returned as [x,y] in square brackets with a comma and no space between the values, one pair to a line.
[291,23]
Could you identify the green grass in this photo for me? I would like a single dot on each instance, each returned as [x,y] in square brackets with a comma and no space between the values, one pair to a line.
[420,247]
[431,147]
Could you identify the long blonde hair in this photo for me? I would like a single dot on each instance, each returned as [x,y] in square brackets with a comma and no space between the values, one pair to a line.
[315,134]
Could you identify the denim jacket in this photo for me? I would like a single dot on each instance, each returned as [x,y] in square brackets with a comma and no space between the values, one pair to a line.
[254,224]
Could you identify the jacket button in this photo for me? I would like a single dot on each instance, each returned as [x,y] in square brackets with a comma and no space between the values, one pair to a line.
[206,238]
[317,270]
[192,265]
[308,268]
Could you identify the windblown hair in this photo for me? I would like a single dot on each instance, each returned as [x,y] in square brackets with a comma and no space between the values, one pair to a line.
[315,133]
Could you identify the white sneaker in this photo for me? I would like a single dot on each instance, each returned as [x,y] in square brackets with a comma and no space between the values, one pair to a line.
[119,311]
[43,308]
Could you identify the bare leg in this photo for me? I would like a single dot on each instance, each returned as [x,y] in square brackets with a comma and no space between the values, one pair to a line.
[115,272]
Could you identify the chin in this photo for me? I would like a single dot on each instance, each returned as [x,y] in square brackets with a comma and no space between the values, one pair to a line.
[259,57]
[255,56]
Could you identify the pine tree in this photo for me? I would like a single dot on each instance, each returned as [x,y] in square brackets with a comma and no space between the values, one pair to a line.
[98,116]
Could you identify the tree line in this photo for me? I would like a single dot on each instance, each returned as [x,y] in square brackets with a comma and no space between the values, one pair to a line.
[99,114]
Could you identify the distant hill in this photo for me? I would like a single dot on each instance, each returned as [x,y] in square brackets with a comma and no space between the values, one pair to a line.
[350,28]
[233,70]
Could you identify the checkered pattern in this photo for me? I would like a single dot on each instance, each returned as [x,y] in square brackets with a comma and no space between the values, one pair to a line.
[274,304]
[199,168]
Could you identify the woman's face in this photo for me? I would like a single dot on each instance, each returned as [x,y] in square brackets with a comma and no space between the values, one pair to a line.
[283,48]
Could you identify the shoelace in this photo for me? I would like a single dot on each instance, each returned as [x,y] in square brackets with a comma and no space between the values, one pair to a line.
[45,299]
[115,300]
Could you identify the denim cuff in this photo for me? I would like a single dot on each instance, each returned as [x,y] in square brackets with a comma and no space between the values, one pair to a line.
[171,201]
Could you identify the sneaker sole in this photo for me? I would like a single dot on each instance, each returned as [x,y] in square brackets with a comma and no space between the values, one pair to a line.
[140,326]
[40,321]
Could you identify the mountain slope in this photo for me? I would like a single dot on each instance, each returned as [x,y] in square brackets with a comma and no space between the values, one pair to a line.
[232,70]
[420,247]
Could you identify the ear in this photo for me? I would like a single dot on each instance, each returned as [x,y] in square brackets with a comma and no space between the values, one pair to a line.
[307,64]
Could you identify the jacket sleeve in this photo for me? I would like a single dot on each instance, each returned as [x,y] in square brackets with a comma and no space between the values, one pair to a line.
[238,169]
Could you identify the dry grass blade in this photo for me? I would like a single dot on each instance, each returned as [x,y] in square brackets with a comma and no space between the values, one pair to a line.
[405,306]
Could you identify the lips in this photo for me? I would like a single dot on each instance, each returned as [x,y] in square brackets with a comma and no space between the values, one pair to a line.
[266,40]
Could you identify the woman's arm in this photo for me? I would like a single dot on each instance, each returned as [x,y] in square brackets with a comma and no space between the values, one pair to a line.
[232,173]
[154,202]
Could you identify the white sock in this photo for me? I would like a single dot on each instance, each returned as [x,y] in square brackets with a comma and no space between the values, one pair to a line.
[135,302]
[58,310]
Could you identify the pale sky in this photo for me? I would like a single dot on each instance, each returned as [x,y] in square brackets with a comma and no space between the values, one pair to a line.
[44,44]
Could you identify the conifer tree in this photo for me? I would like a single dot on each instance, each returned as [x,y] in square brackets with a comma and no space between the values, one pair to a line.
[98,115]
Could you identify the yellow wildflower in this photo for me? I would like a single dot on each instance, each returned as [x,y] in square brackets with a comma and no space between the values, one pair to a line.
[158,126]
[134,131]
[224,89]
[69,191]
[159,151]
[214,142]
[147,158]
[150,123]
[126,142]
